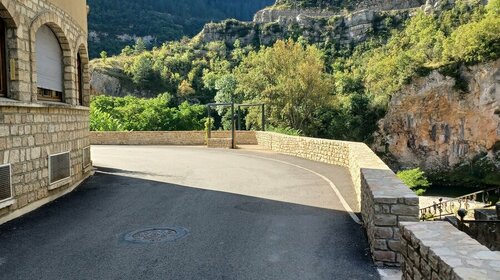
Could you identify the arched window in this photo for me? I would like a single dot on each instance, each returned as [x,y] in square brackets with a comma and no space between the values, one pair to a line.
[3,61]
[49,65]
[80,79]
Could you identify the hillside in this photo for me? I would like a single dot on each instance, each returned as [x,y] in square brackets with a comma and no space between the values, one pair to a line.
[113,24]
[361,75]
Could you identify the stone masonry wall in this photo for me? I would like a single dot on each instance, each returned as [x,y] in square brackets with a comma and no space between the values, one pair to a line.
[28,135]
[437,250]
[166,137]
[220,143]
[384,199]
[30,129]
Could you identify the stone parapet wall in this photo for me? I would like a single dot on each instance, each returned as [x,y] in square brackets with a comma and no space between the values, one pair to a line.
[437,250]
[220,143]
[166,137]
[384,199]
[28,135]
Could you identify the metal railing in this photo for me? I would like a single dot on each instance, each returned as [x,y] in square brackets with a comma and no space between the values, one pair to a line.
[474,200]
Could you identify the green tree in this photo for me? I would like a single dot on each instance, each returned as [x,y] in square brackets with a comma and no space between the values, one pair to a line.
[142,69]
[127,51]
[104,56]
[415,179]
[185,89]
[290,79]
[140,46]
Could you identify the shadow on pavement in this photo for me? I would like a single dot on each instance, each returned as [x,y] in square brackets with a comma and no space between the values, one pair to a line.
[231,236]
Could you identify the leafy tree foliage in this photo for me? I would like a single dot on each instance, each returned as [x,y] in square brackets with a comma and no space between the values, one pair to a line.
[289,79]
[468,33]
[415,179]
[140,114]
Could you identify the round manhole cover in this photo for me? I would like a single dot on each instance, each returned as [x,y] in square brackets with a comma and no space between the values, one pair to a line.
[156,235]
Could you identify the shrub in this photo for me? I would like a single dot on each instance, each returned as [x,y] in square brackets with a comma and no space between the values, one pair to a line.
[415,179]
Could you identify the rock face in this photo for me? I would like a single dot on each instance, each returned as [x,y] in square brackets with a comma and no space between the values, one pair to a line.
[317,21]
[103,83]
[353,4]
[433,125]
[113,83]
[314,25]
[289,15]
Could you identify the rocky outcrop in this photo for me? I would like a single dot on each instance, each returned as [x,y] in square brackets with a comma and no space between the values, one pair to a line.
[317,21]
[103,83]
[432,124]
[113,82]
[352,5]
[314,26]
[387,5]
[289,15]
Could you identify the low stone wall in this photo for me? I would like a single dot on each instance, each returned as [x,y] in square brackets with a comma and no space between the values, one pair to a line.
[384,199]
[437,250]
[220,143]
[166,137]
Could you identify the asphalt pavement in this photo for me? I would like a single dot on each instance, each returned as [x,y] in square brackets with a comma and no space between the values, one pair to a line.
[163,212]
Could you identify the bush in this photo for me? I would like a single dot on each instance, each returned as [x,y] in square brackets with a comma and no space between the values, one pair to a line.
[140,114]
[103,121]
[415,179]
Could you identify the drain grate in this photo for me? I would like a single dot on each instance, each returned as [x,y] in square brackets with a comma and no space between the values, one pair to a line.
[156,235]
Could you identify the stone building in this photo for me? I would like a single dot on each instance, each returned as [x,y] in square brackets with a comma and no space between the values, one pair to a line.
[44,99]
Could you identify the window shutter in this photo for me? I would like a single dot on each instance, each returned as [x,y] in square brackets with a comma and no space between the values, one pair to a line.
[49,60]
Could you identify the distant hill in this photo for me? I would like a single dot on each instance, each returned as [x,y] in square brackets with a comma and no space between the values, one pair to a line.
[113,24]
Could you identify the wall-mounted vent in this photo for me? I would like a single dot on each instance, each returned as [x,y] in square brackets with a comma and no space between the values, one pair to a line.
[59,167]
[5,183]
[86,157]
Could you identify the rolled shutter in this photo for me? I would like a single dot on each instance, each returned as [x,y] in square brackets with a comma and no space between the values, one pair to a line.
[49,60]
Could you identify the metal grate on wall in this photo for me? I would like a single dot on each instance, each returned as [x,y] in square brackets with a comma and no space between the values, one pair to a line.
[5,182]
[86,157]
[59,167]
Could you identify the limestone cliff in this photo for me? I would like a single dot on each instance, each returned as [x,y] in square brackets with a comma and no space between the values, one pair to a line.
[269,26]
[113,81]
[351,4]
[432,124]
[342,22]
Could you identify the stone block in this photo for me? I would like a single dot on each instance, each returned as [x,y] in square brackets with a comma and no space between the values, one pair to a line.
[380,244]
[405,210]
[384,256]
[394,245]
[385,220]
[383,232]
